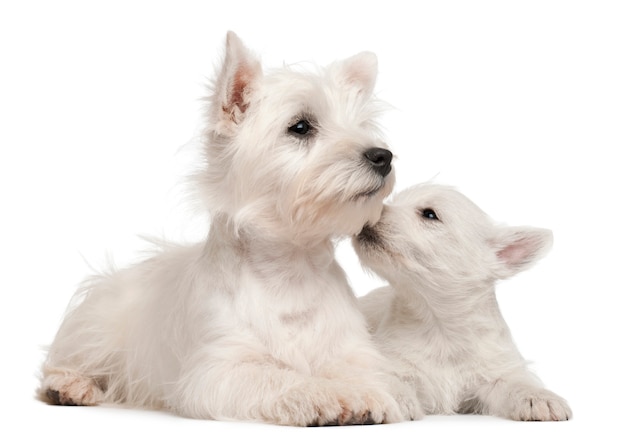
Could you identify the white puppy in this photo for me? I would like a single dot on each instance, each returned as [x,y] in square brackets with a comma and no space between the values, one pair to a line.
[258,322]
[439,320]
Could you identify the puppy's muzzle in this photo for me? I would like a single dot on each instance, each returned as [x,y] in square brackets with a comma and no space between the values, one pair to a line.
[369,236]
[379,159]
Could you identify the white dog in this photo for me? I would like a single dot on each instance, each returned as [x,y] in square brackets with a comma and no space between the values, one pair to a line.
[258,322]
[439,320]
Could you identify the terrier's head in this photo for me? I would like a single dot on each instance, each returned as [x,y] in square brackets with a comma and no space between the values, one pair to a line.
[435,238]
[295,155]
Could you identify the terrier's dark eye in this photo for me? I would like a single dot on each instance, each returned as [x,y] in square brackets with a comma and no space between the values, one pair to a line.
[430,214]
[301,128]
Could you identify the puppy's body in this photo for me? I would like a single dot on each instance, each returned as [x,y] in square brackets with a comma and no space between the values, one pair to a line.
[439,319]
[258,322]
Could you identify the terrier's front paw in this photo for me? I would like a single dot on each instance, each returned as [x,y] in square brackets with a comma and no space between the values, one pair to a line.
[334,404]
[370,406]
[410,406]
[539,405]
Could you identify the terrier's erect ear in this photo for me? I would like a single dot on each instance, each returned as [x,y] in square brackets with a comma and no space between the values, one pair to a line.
[518,248]
[235,82]
[359,71]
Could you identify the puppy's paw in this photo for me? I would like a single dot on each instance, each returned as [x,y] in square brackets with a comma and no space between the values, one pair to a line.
[70,388]
[539,405]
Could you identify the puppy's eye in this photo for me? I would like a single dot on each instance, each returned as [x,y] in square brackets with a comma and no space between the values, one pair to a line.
[300,128]
[430,214]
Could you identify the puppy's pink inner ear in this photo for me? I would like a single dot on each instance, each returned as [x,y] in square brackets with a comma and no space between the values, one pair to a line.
[516,253]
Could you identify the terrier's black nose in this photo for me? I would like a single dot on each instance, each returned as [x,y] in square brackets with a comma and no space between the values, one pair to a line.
[379,159]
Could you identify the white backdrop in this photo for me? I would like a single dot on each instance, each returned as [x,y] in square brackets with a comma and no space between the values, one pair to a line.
[521,105]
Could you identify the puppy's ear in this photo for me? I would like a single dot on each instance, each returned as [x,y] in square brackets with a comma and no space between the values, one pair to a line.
[235,82]
[359,71]
[518,248]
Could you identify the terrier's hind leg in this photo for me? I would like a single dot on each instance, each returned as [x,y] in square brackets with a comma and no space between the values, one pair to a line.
[68,387]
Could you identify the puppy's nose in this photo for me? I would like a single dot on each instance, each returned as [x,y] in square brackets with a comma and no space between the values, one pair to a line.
[379,159]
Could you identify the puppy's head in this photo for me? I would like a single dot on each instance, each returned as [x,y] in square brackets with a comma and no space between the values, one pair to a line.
[435,237]
[295,154]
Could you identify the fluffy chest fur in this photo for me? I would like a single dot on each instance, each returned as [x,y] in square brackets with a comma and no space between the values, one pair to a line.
[289,304]
[294,315]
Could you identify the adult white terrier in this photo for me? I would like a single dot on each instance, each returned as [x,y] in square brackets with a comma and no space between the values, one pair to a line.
[439,320]
[258,322]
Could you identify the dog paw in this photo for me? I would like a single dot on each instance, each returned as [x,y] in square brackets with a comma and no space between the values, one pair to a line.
[406,397]
[68,388]
[333,404]
[540,405]
[369,406]
[410,408]
[363,408]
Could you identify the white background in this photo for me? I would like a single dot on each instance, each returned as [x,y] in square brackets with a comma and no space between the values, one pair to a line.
[521,105]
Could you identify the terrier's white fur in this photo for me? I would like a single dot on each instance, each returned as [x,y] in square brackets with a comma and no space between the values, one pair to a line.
[258,322]
[438,319]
